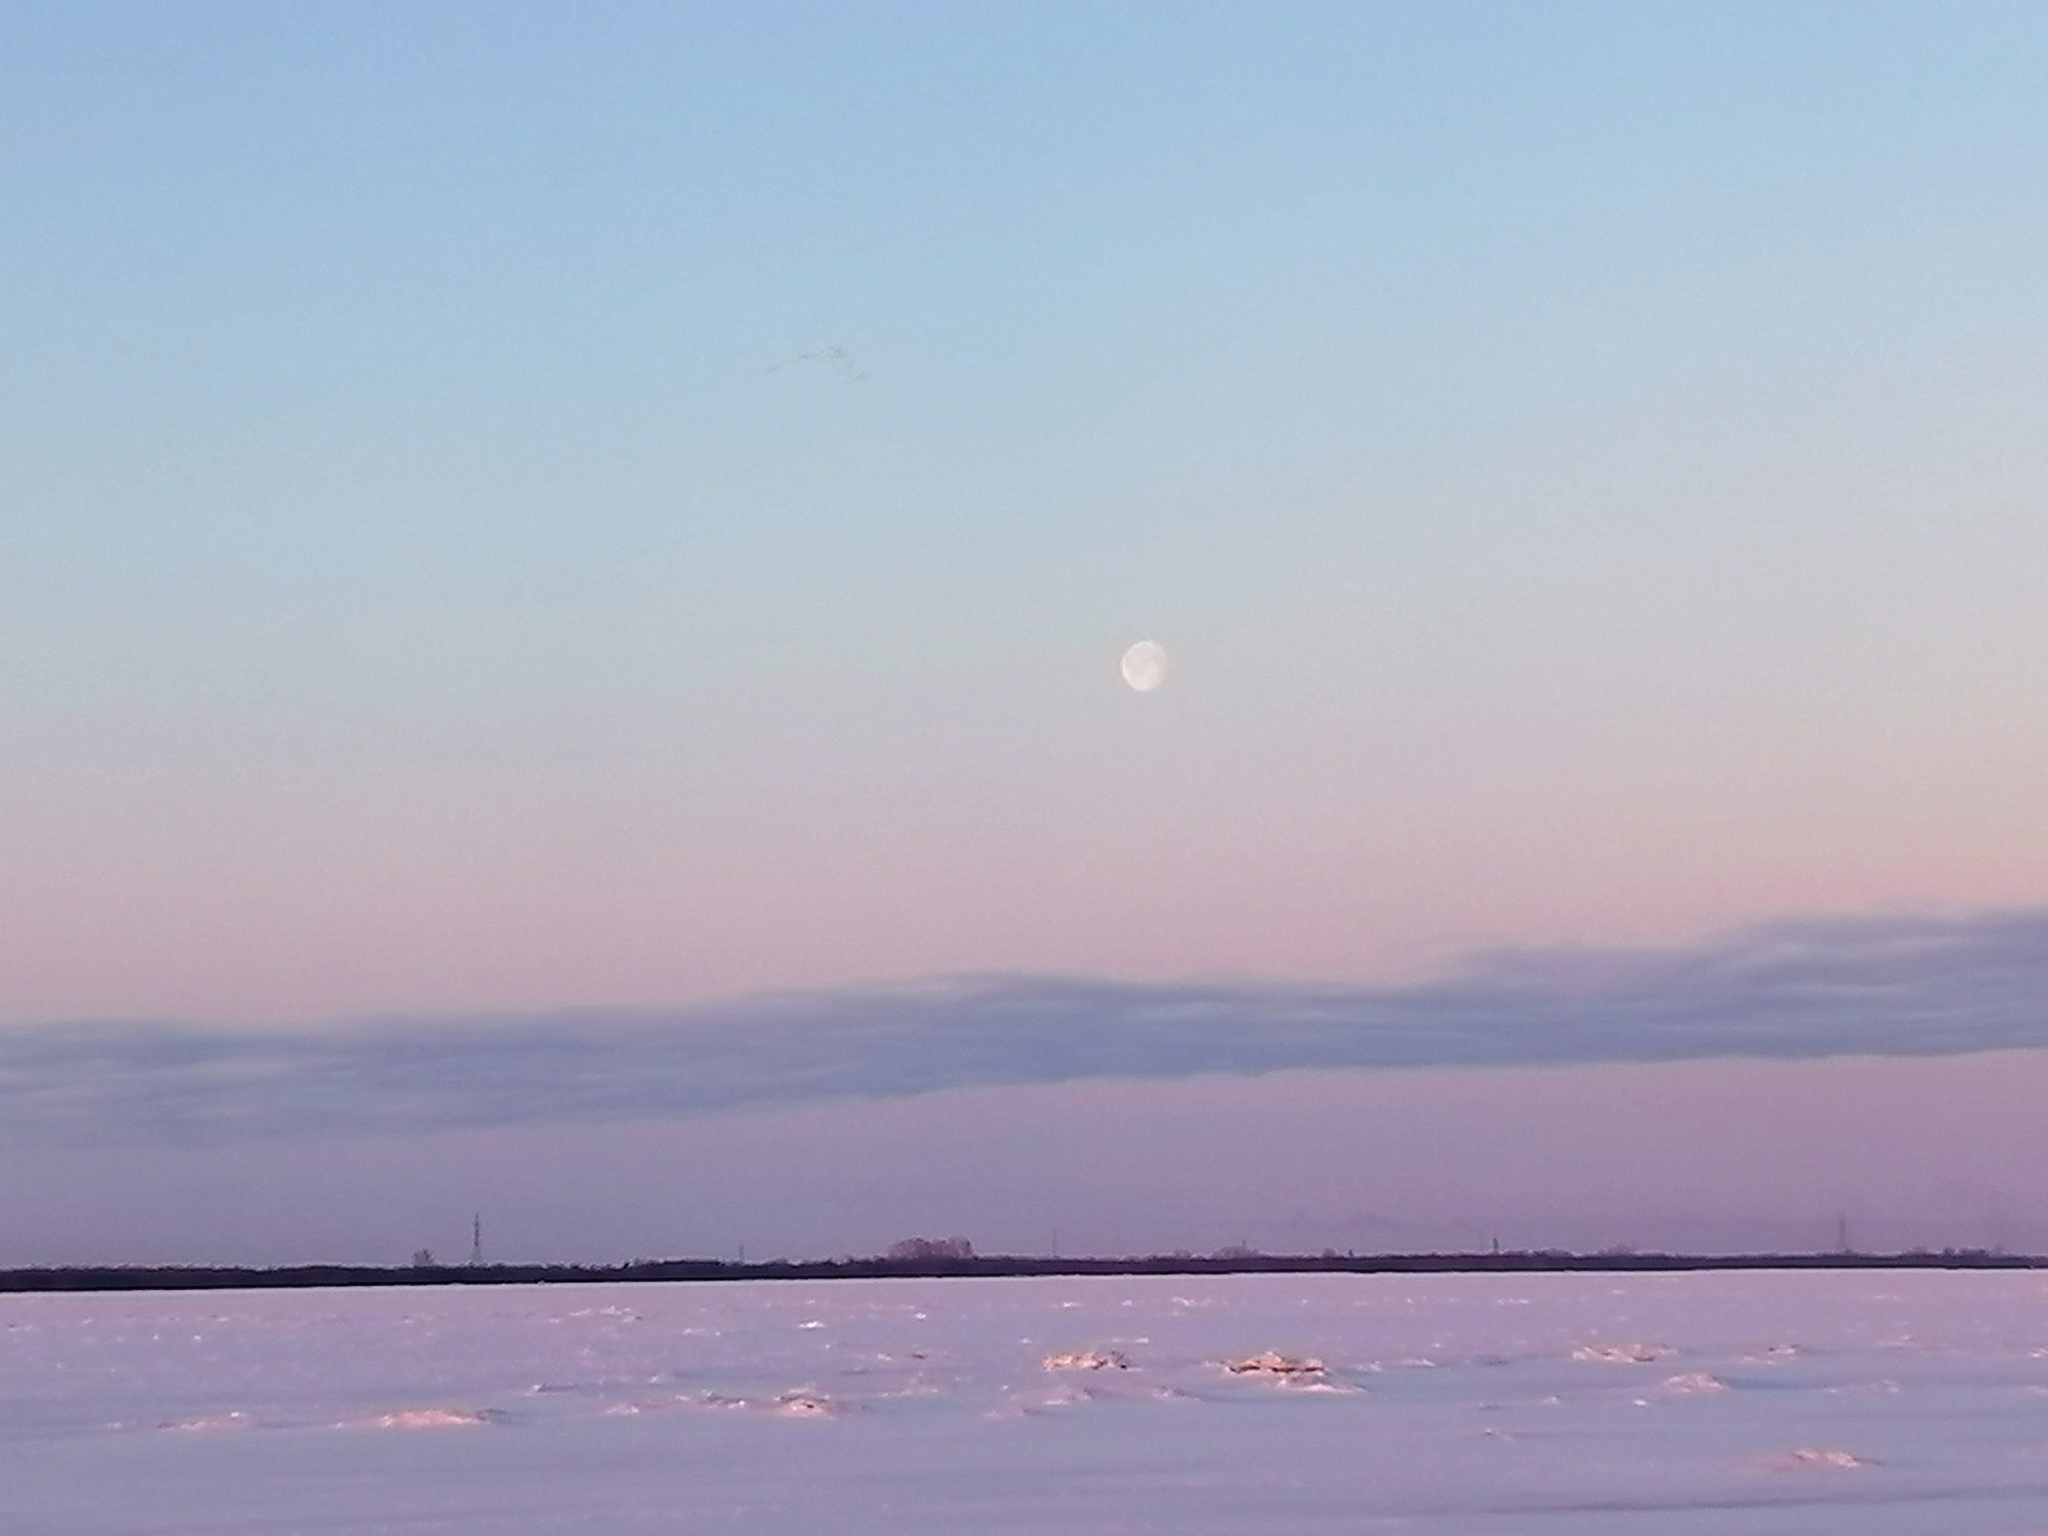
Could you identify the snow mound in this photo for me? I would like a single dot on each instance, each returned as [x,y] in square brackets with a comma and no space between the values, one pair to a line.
[1088,1360]
[918,1388]
[430,1418]
[1810,1459]
[1276,1366]
[1622,1354]
[805,1405]
[1052,1401]
[1774,1353]
[1694,1384]
[235,1420]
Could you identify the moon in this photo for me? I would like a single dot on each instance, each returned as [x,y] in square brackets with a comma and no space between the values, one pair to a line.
[1144,665]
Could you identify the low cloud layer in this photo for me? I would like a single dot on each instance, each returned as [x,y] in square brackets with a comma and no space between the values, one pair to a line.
[1891,986]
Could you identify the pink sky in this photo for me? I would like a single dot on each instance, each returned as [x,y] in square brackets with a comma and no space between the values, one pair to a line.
[1726,1156]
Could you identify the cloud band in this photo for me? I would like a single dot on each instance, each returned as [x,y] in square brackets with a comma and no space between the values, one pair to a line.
[1861,986]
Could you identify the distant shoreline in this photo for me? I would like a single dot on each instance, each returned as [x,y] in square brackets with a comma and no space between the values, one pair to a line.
[993,1266]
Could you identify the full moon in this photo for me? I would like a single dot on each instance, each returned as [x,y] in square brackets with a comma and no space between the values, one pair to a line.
[1144,665]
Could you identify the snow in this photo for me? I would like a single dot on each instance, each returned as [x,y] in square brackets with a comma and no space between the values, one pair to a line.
[1088,1360]
[1873,1403]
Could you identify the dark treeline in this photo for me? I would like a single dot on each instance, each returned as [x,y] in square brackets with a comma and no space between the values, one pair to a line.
[200,1278]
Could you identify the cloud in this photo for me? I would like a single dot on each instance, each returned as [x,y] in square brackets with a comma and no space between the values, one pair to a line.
[1850,986]
[836,360]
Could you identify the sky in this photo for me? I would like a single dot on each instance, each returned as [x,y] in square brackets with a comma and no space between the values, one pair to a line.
[522,508]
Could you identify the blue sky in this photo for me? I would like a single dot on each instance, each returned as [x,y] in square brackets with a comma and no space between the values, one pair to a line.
[520,508]
[528,506]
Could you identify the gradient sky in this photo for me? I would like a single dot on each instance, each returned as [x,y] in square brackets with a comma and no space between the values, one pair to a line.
[505,506]
[1741,1156]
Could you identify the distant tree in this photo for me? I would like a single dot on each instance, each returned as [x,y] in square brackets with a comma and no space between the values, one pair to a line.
[423,1258]
[1232,1253]
[931,1250]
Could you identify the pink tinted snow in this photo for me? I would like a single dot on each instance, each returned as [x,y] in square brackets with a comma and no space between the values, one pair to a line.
[1222,1404]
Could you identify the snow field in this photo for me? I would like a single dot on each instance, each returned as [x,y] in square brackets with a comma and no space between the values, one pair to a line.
[1872,1403]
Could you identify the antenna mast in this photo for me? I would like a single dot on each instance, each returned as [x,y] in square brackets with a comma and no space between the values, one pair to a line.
[476,1238]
